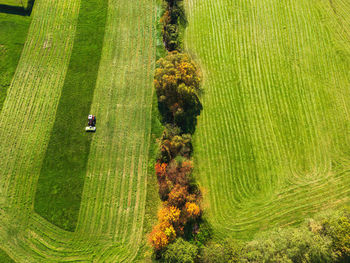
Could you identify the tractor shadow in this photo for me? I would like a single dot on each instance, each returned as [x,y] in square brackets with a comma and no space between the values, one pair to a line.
[17,10]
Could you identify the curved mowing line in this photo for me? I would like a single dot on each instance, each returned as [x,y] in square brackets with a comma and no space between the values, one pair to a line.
[62,175]
[27,116]
[272,142]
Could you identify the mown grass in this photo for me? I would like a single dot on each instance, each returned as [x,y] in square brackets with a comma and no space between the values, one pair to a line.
[19,3]
[272,141]
[4,258]
[112,212]
[13,33]
[152,200]
[62,175]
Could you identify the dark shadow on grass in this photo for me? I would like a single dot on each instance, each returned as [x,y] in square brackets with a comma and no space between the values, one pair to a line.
[61,180]
[18,10]
[4,258]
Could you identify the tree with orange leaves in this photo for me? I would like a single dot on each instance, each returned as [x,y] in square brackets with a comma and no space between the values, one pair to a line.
[160,169]
[158,239]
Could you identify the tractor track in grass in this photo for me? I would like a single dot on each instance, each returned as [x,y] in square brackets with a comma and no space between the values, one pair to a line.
[29,106]
[63,170]
[27,115]
[271,143]
[119,150]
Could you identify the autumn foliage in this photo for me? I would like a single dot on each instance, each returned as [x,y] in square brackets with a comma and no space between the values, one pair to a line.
[171,24]
[177,83]
[158,239]
[181,202]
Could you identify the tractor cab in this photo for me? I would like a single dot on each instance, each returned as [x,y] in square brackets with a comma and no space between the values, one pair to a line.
[91,124]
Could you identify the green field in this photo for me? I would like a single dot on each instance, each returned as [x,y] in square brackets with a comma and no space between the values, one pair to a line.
[271,146]
[110,224]
[272,143]
[63,170]
[13,33]
[19,3]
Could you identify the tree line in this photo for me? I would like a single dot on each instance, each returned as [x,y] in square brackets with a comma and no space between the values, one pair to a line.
[182,235]
[177,84]
[323,239]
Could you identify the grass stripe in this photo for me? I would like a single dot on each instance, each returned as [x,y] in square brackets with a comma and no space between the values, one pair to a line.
[123,98]
[62,175]
[13,33]
[271,144]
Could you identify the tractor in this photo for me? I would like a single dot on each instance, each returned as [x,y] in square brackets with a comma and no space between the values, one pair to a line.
[91,124]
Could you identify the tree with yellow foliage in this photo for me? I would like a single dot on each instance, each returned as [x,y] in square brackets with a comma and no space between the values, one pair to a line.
[177,84]
[192,210]
[169,214]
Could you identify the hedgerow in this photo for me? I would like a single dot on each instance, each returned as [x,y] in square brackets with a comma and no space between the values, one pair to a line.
[177,84]
[325,238]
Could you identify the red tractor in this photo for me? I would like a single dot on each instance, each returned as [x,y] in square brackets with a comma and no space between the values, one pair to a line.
[91,124]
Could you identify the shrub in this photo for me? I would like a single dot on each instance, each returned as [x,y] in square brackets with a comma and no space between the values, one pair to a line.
[204,234]
[173,144]
[226,252]
[179,174]
[158,239]
[288,245]
[181,252]
[337,228]
[160,169]
[170,37]
[192,210]
[177,196]
[177,84]
[169,214]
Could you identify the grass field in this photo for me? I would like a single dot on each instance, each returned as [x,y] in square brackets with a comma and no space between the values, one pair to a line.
[19,3]
[272,143]
[112,212]
[13,33]
[4,258]
[63,171]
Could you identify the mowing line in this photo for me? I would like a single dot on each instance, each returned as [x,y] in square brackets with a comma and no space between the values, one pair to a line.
[275,110]
[62,174]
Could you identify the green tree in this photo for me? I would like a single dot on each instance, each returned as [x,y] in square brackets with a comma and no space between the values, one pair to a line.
[180,252]
[228,251]
[288,246]
[337,228]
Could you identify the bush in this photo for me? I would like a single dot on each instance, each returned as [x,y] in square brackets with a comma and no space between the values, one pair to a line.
[170,37]
[204,234]
[177,84]
[178,195]
[174,144]
[226,252]
[288,245]
[180,174]
[181,251]
[158,239]
[337,228]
